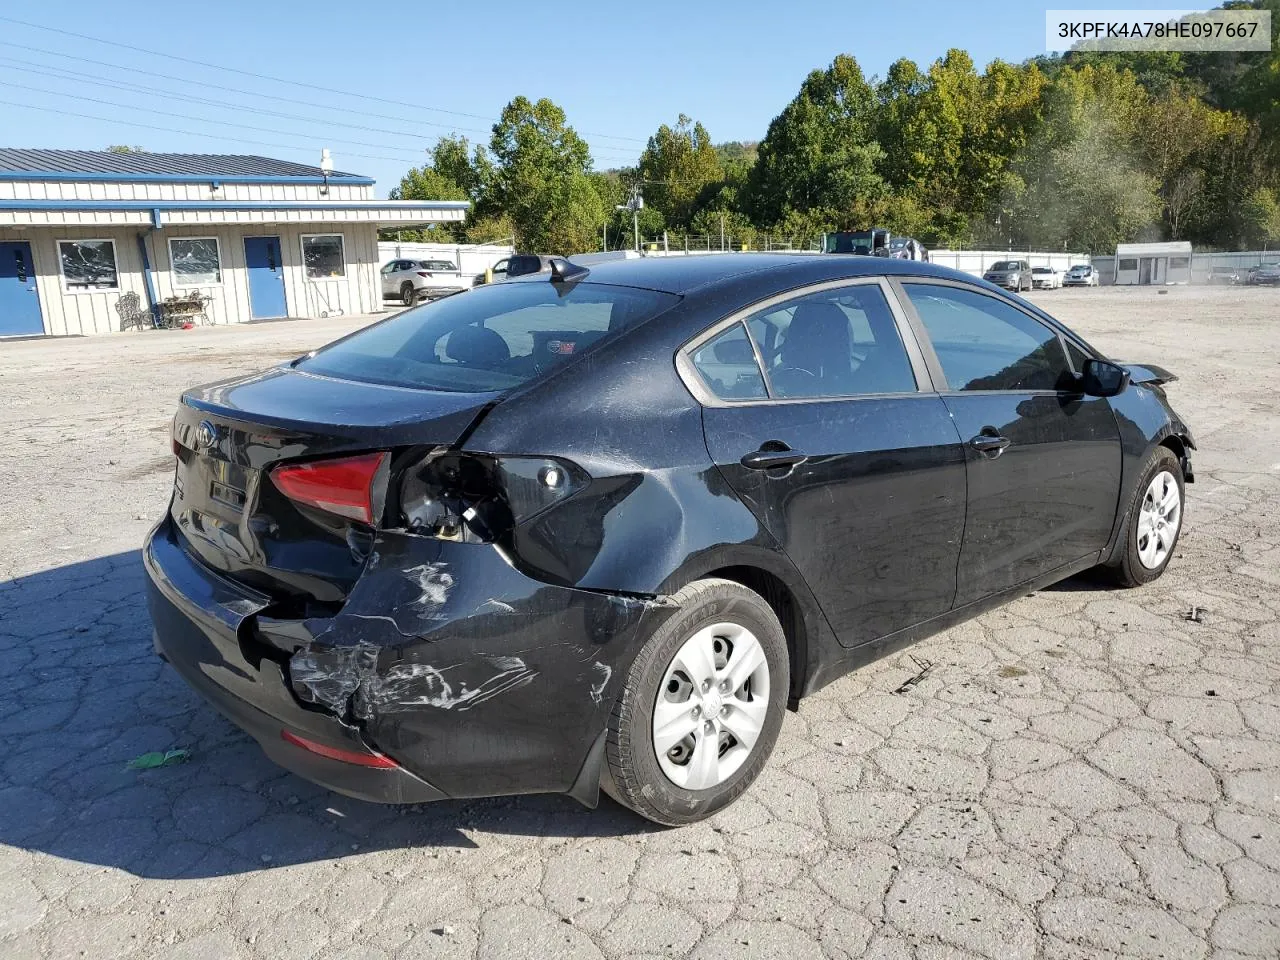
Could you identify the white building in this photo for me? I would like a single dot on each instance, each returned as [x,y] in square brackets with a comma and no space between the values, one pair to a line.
[1159,263]
[82,230]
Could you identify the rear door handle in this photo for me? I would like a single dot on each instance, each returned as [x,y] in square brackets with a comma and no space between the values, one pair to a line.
[771,458]
[990,445]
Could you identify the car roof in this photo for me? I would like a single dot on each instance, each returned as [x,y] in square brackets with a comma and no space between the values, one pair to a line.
[701,272]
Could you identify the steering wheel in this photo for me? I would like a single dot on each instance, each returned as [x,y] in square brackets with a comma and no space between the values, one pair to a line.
[791,381]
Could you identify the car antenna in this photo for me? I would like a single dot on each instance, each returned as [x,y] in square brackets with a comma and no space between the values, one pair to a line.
[562,271]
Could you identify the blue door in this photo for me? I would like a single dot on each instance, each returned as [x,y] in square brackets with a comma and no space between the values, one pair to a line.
[266,277]
[19,302]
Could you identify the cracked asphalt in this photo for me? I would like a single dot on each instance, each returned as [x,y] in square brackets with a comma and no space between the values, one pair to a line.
[1086,772]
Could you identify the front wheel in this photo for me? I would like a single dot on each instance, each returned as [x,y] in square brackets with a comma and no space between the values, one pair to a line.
[1155,521]
[702,706]
[408,295]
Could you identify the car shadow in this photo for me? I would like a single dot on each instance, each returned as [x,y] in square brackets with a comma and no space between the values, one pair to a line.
[86,694]
[1093,580]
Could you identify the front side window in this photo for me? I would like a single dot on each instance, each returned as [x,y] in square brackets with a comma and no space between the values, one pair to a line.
[88,264]
[835,343]
[986,344]
[727,365]
[494,338]
[195,261]
[323,256]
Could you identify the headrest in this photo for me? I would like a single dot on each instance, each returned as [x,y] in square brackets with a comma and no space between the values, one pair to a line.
[477,347]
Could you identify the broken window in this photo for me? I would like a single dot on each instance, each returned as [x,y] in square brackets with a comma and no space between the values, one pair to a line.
[195,261]
[88,264]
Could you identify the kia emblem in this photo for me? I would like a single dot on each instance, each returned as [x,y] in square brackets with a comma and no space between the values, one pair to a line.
[206,434]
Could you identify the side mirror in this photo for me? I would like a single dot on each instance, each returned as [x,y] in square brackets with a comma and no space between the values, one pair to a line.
[1102,378]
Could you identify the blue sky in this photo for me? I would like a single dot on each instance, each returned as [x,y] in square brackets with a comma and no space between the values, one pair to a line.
[618,70]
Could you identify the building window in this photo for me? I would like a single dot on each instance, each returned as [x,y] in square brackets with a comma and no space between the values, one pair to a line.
[1128,265]
[88,264]
[195,261]
[323,256]
[1179,263]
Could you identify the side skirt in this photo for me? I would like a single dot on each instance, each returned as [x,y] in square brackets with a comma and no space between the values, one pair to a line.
[877,649]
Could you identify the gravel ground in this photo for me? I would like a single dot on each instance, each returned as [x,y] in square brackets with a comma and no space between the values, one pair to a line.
[1084,773]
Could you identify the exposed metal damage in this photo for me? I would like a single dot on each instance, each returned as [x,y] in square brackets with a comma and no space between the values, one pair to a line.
[365,666]
[347,681]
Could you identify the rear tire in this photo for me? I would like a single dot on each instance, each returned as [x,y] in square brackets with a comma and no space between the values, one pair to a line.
[712,677]
[408,295]
[1154,522]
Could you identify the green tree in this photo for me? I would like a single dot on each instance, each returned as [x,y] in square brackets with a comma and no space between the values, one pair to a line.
[1081,182]
[541,180]
[444,177]
[820,159]
[677,168]
[1262,217]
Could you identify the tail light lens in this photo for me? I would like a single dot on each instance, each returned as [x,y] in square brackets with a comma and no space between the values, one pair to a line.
[477,497]
[372,759]
[423,273]
[346,486]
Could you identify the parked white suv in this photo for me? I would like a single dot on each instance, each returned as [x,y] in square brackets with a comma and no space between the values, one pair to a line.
[412,280]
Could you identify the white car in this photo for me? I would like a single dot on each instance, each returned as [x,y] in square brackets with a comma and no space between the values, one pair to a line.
[1081,275]
[412,280]
[1045,278]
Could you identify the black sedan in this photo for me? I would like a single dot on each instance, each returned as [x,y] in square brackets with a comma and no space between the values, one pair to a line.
[599,528]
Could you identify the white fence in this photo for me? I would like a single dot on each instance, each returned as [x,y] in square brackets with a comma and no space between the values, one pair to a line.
[977,262]
[471,259]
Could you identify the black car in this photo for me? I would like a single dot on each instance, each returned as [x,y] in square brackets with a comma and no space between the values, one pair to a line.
[600,528]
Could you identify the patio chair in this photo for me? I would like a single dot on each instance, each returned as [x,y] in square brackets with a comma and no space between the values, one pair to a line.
[131,313]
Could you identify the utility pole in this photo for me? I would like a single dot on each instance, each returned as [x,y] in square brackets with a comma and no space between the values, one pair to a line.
[635,204]
[722,232]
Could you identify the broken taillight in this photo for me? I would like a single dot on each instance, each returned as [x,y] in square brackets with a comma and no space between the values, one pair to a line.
[472,496]
[346,486]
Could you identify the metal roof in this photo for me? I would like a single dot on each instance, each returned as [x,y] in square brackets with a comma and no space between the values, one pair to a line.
[104,165]
[1153,249]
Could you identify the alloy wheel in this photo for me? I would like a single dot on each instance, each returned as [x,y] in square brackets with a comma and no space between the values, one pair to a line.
[711,706]
[1159,517]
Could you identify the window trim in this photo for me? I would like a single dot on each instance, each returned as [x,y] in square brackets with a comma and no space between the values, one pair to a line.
[694,383]
[62,276]
[173,274]
[931,357]
[302,249]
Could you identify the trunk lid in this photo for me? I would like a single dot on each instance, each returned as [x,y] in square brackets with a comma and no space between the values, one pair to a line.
[231,434]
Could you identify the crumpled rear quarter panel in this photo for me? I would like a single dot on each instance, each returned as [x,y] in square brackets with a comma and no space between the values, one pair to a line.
[469,673]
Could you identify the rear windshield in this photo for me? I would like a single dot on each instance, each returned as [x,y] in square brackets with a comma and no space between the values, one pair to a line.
[492,338]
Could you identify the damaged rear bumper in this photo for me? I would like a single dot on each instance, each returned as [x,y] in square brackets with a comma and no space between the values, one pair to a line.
[474,678]
[200,620]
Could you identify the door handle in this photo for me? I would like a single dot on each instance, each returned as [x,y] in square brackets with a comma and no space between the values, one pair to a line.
[990,445]
[772,456]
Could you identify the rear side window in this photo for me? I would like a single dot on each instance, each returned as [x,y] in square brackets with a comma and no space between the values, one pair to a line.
[986,344]
[489,339]
[728,366]
[834,343]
